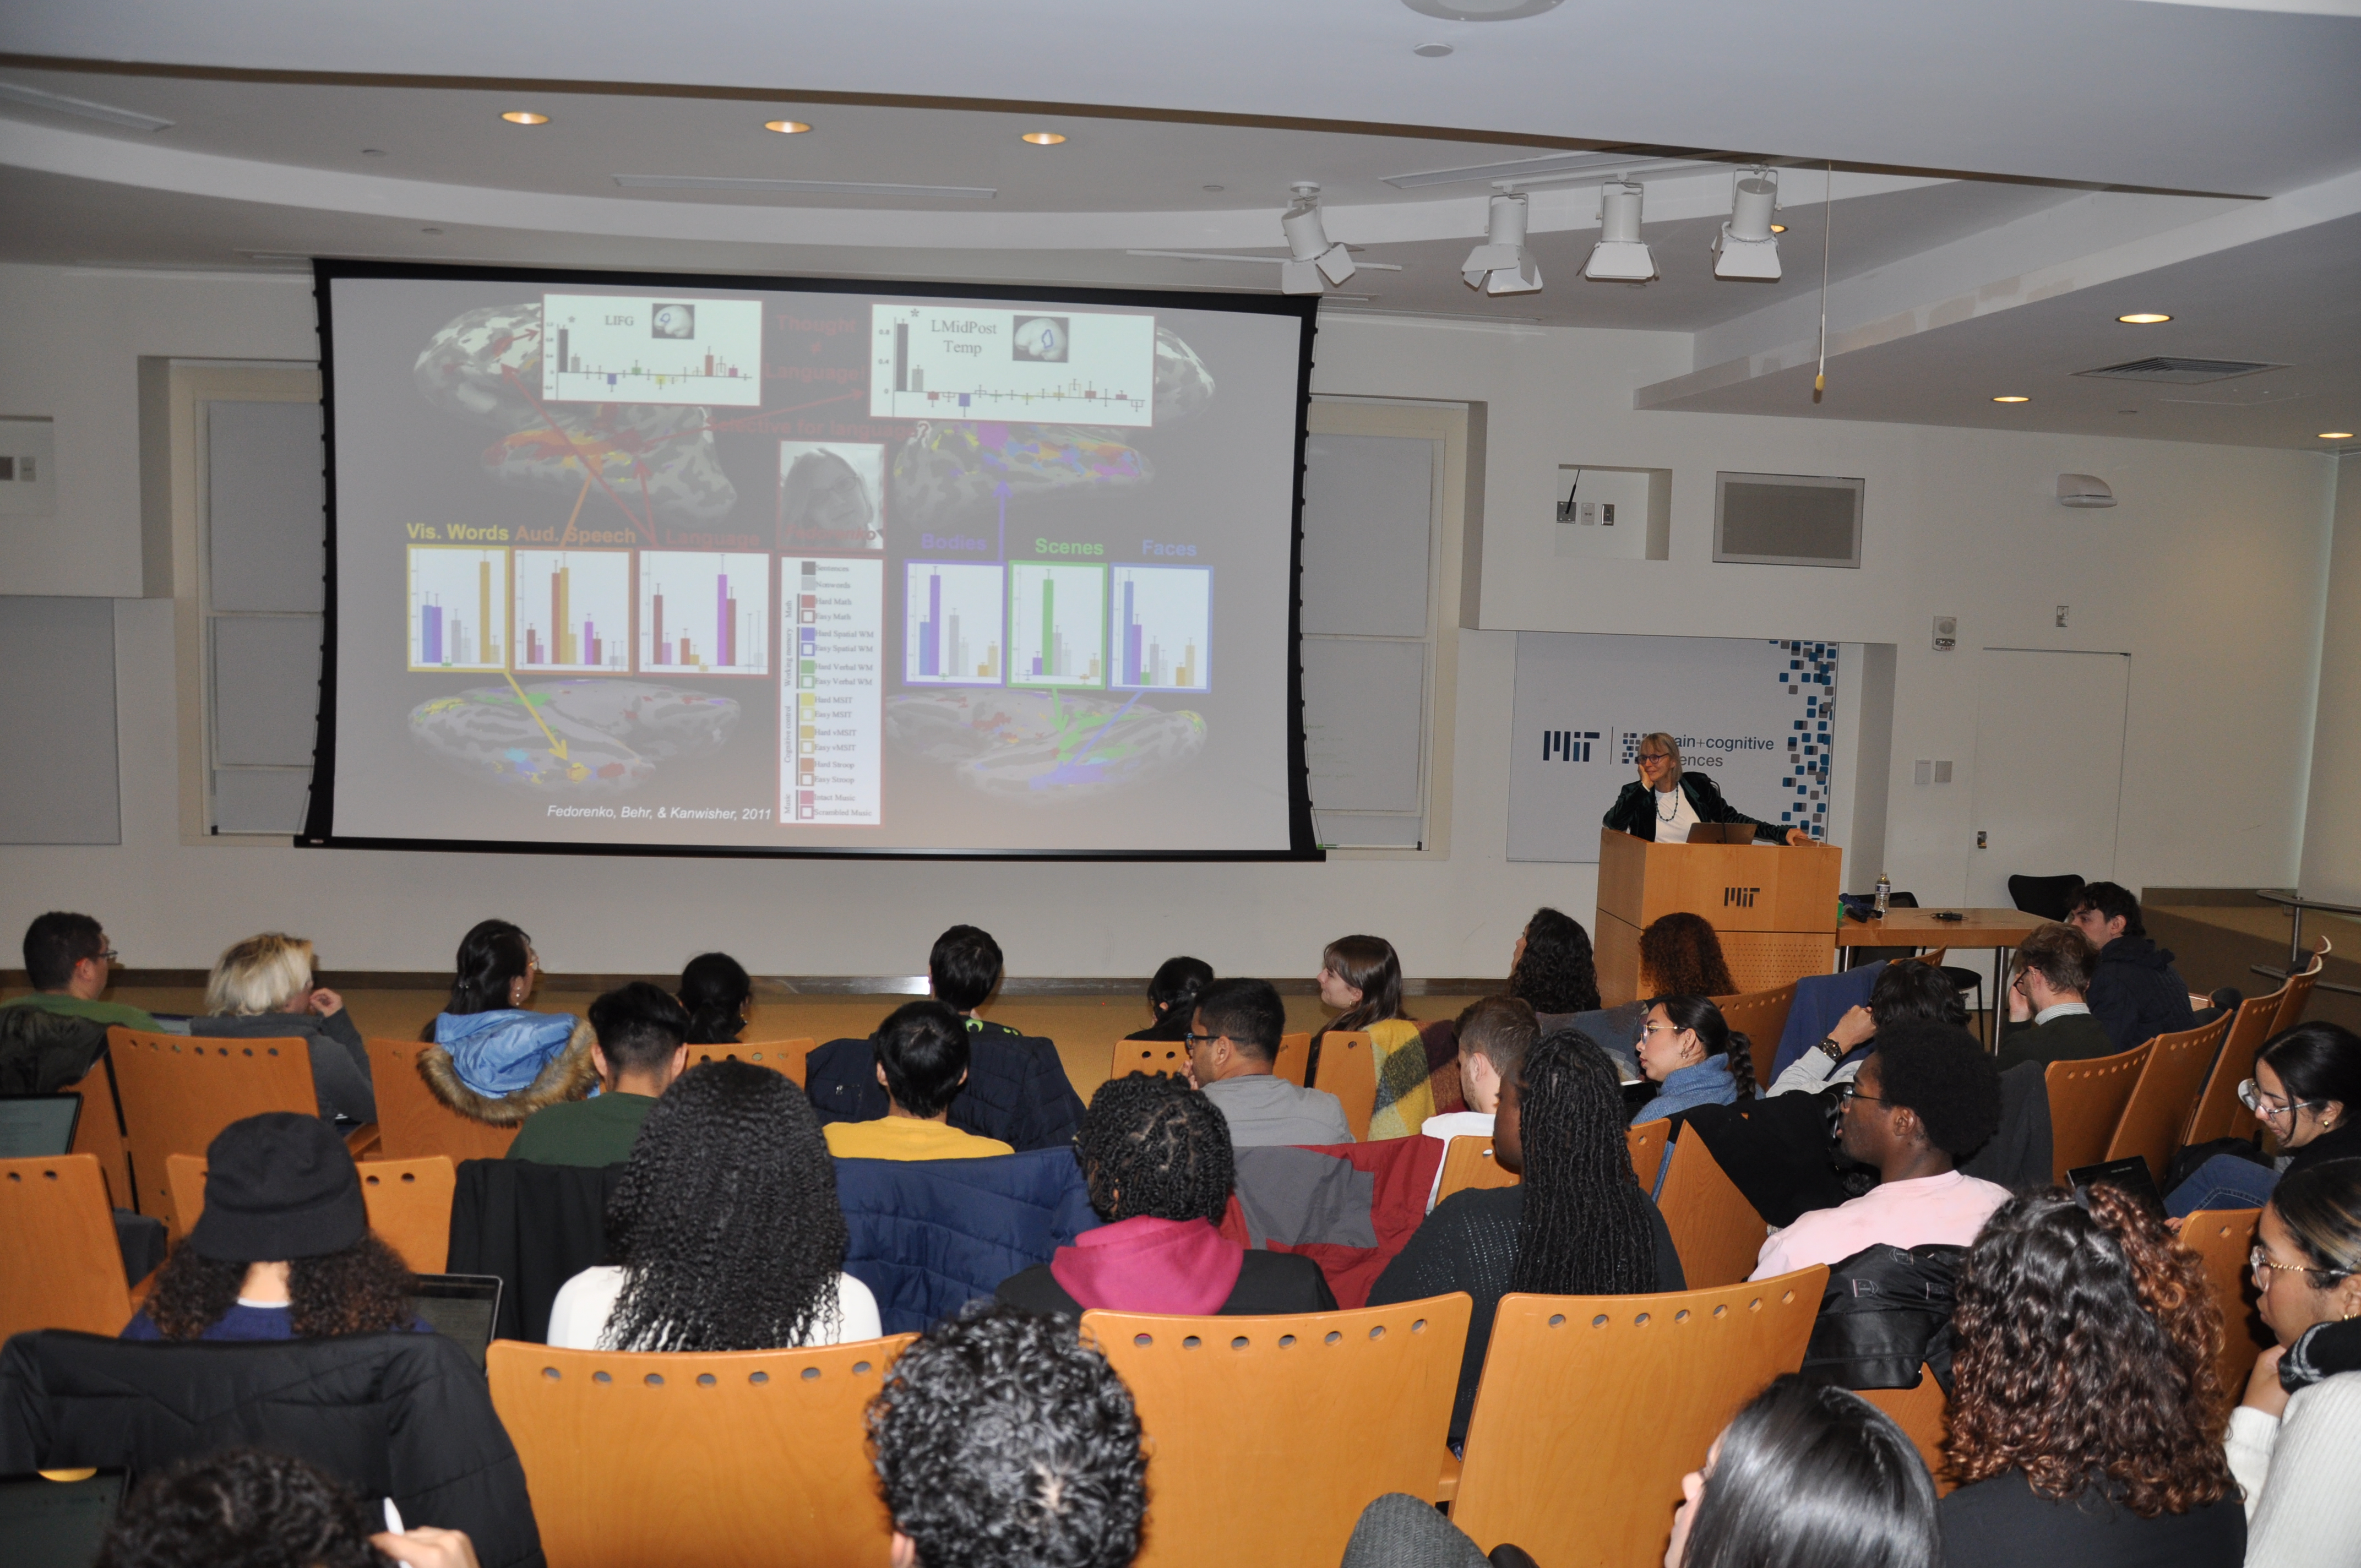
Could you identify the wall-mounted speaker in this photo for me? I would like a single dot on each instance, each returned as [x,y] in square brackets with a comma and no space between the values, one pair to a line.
[1786,520]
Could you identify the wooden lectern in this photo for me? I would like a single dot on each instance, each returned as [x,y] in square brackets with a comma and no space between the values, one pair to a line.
[1773,906]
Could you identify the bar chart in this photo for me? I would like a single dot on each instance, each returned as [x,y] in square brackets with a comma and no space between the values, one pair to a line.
[573,610]
[705,613]
[459,604]
[1163,620]
[617,348]
[952,634]
[1057,625]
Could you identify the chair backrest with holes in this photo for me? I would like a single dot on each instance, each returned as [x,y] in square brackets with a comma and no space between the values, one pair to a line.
[178,1090]
[1762,1017]
[1925,1417]
[409,1207]
[412,1124]
[1468,1162]
[2086,1104]
[1647,1144]
[780,1056]
[1147,1056]
[2218,1110]
[99,1133]
[1312,1416]
[60,1266]
[2221,1239]
[1348,1069]
[1592,1408]
[1294,1057]
[1715,1228]
[742,1457]
[2297,994]
[2165,1094]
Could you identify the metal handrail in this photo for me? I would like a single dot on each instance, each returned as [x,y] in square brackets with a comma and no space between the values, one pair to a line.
[2295,903]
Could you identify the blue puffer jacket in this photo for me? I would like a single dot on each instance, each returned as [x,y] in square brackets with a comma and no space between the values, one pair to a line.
[1016,1089]
[930,1235]
[500,1052]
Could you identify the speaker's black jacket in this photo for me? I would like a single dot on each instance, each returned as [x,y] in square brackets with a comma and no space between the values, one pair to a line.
[1634,813]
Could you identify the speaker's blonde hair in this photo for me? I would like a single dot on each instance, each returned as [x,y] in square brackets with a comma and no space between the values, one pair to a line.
[1668,743]
[261,974]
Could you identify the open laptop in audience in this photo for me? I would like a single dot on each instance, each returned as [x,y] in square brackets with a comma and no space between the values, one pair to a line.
[462,1308]
[56,1520]
[38,1126]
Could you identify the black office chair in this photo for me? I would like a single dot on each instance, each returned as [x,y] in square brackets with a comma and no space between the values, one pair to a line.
[2047,896]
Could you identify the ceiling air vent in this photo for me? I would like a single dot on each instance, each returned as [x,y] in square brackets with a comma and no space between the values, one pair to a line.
[2180,372]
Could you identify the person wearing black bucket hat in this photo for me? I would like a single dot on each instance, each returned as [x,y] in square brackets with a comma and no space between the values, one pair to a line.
[283,1249]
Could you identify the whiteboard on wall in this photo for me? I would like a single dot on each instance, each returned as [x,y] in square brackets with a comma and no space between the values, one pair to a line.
[1755,715]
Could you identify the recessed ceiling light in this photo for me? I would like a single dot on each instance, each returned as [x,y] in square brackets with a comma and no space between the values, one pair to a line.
[525,118]
[1778,228]
[2335,435]
[1043,139]
[1432,51]
[2011,399]
[786,128]
[1481,10]
[2144,318]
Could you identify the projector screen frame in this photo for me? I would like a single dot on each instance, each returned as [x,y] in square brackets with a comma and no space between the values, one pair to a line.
[319,830]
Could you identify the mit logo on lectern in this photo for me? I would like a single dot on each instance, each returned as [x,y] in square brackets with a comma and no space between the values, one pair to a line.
[1738,897]
[1567,745]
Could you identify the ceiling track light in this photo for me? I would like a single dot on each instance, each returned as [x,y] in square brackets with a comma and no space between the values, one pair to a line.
[1501,265]
[1748,246]
[1310,257]
[1620,257]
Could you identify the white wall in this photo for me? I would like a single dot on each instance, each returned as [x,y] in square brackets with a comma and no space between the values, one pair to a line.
[2212,573]
[2332,824]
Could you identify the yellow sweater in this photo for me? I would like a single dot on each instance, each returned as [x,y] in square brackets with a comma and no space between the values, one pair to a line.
[907,1138]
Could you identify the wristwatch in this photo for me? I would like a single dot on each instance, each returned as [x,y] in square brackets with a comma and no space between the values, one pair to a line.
[1832,1047]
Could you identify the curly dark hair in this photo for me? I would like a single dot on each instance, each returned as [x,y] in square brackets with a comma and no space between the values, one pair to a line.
[999,1437]
[1680,956]
[1558,972]
[726,1221]
[364,1289]
[241,1505]
[1941,1073]
[1910,991]
[2087,1340]
[1151,1144]
[1583,1229]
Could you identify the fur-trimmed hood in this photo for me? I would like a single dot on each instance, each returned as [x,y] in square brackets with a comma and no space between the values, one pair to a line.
[568,1072]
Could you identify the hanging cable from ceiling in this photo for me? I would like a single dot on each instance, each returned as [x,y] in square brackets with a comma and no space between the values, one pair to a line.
[1827,212]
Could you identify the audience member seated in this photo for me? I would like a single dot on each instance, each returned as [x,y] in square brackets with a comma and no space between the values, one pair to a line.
[1807,1476]
[1494,1035]
[2050,1017]
[1362,978]
[1018,1092]
[2135,993]
[283,1249]
[265,1510]
[2292,1442]
[1692,1056]
[1156,1155]
[1172,996]
[716,991]
[1903,992]
[51,1038]
[638,1053]
[1578,1225]
[2306,1086]
[491,1059]
[262,988]
[1233,1047]
[1552,968]
[1926,1098]
[725,1229]
[1003,1440]
[2086,1416]
[922,1060]
[1680,956]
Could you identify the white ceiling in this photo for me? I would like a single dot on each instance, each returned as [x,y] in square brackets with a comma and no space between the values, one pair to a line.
[1982,228]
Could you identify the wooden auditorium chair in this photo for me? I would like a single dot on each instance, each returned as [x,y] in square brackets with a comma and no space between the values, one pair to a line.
[1348,1069]
[780,1056]
[59,1265]
[1717,1232]
[412,1123]
[2222,1239]
[2217,1106]
[1468,1162]
[2086,1104]
[408,1203]
[1762,1017]
[99,1133]
[1646,1142]
[2165,1095]
[180,1090]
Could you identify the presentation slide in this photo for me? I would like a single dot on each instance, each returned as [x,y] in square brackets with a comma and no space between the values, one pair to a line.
[709,564]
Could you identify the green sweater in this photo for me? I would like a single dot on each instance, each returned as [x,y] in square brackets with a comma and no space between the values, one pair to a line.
[2070,1036]
[111,1012]
[597,1131]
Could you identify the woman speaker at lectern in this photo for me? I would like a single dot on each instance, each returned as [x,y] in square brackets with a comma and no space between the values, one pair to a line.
[1663,803]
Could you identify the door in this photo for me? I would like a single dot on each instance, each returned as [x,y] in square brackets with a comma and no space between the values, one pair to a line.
[2049,768]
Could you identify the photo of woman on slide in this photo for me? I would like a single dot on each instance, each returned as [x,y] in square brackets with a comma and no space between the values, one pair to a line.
[831,497]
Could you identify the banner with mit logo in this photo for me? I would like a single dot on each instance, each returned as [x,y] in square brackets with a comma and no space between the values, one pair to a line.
[1754,716]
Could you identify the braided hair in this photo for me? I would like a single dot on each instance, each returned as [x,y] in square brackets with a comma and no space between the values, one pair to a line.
[726,1220]
[1150,1145]
[1703,1015]
[1583,1229]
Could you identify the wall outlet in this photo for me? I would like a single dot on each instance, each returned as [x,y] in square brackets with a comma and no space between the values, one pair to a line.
[1922,771]
[2061,615]
[1942,770]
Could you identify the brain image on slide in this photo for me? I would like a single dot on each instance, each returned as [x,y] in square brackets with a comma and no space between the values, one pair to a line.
[586,736]
[1044,747]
